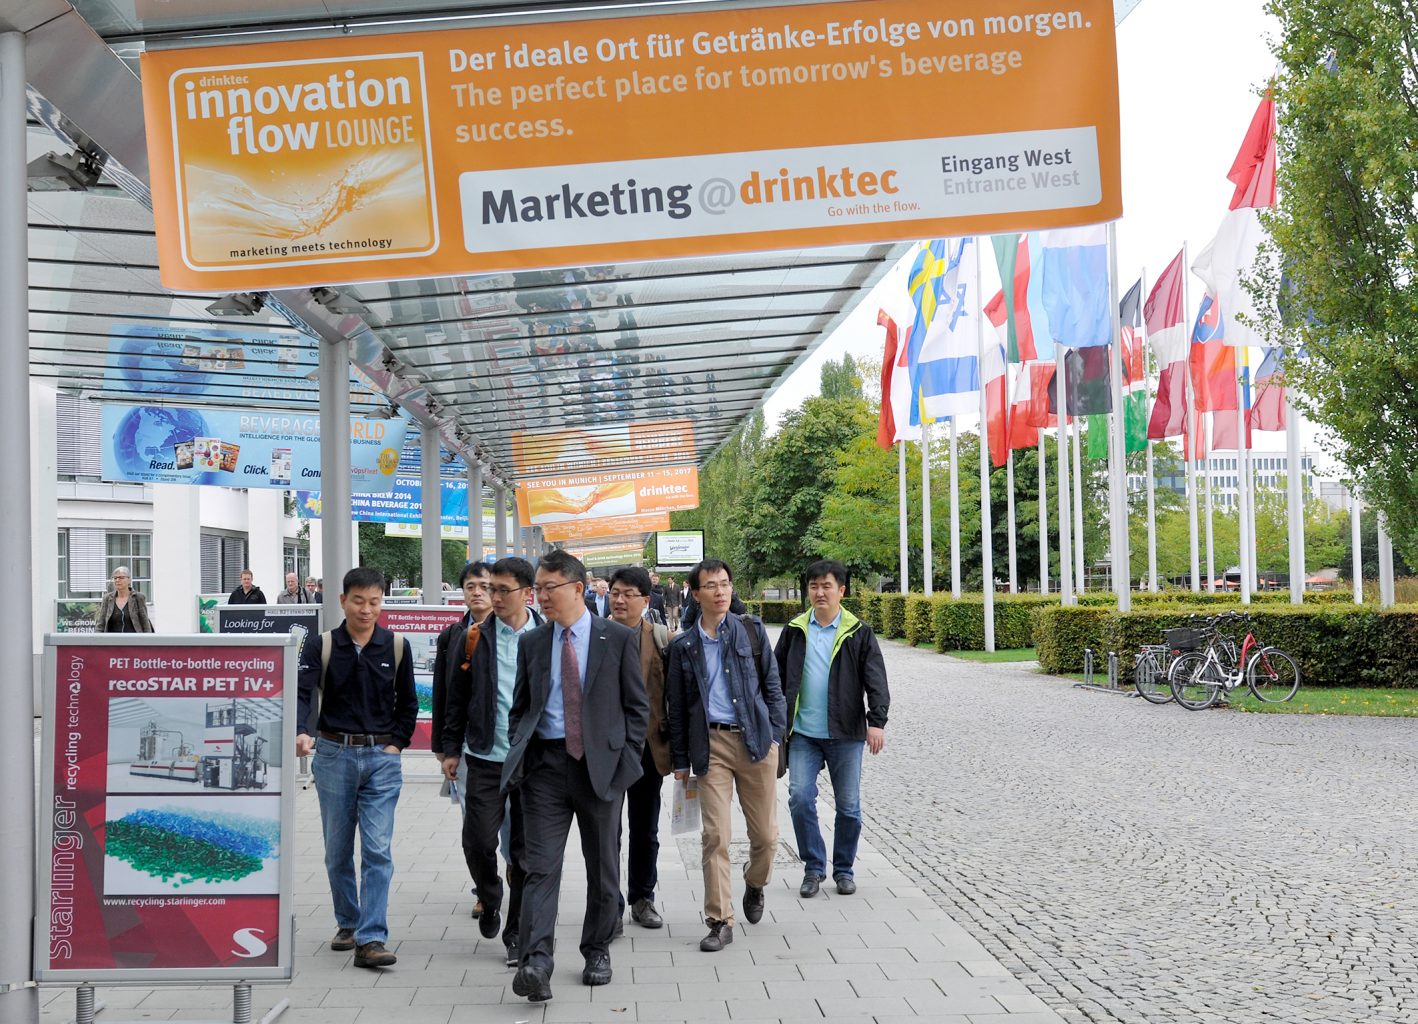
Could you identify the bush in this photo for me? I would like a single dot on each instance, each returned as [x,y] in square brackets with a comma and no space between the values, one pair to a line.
[1334,644]
[920,626]
[892,615]
[960,625]
[1063,633]
[777,612]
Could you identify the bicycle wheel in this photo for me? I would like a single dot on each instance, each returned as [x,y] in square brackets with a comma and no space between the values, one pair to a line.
[1150,680]
[1273,675]
[1194,682]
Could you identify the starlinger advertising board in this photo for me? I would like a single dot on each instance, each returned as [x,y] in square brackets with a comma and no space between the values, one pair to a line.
[250,448]
[166,825]
[679,547]
[603,140]
[421,624]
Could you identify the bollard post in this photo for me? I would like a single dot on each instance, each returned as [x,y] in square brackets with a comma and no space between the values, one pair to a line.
[84,1004]
[1087,666]
[241,1004]
[1113,670]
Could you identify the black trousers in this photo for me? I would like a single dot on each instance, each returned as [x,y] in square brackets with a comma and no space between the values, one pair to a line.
[555,788]
[481,823]
[642,809]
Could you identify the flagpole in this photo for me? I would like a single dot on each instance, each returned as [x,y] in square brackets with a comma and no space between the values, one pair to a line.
[1189,451]
[927,572]
[1066,593]
[1121,565]
[1043,515]
[1009,513]
[1385,565]
[1356,541]
[1210,522]
[955,511]
[1294,486]
[987,553]
[1080,582]
[904,578]
[1243,496]
[1151,473]
[1254,549]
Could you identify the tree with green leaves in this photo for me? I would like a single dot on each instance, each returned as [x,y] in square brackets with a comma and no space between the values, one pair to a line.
[723,482]
[402,557]
[1345,232]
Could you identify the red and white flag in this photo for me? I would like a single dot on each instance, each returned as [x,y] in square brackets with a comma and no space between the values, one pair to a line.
[996,382]
[1165,317]
[894,421]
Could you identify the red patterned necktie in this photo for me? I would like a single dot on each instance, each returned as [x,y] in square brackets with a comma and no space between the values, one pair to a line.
[571,697]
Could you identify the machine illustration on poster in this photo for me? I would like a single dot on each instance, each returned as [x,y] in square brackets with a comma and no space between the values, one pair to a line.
[167,812]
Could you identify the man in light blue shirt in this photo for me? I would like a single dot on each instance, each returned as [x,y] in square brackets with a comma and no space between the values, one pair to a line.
[480,696]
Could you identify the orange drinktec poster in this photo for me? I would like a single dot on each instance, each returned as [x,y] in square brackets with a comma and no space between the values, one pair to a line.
[554,499]
[599,140]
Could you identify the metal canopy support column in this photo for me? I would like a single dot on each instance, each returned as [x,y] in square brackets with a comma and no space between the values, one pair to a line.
[431,546]
[499,497]
[17,771]
[335,515]
[475,512]
[518,545]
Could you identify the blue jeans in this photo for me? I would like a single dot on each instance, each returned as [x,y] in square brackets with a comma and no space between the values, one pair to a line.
[843,758]
[358,786]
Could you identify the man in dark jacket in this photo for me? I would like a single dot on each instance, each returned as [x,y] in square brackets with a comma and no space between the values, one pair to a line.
[248,592]
[834,681]
[474,744]
[368,707]
[726,719]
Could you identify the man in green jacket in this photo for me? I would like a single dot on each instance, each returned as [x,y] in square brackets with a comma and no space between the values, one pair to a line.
[834,681]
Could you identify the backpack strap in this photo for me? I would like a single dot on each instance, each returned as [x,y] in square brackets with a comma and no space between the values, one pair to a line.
[751,624]
[327,641]
[398,652]
[470,644]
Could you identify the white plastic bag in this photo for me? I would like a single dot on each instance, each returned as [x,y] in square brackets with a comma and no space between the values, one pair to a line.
[685,815]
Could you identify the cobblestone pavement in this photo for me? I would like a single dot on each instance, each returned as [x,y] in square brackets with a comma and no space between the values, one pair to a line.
[1152,865]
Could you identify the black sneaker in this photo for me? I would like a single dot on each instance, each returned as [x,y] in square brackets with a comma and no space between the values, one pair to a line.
[373,954]
[532,983]
[343,940]
[514,955]
[490,923]
[720,935]
[753,904]
[619,929]
[598,970]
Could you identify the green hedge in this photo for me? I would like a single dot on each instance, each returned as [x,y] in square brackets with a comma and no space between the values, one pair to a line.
[960,625]
[920,627]
[892,615]
[1334,644]
[776,612]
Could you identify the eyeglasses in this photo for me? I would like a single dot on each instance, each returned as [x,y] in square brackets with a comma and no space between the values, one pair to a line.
[504,591]
[475,588]
[717,587]
[628,595]
[543,589]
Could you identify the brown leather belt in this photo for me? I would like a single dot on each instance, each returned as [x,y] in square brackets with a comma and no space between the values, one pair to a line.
[358,739]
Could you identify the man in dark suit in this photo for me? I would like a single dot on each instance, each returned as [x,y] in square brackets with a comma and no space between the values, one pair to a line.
[577,731]
[598,599]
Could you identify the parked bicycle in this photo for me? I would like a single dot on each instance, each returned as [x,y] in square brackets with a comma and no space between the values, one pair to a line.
[1201,674]
[1149,673]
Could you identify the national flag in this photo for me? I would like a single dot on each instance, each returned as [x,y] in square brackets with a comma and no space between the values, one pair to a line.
[1134,383]
[925,284]
[1074,263]
[1268,406]
[886,421]
[1223,264]
[1033,407]
[945,374]
[1028,338]
[1089,382]
[1213,363]
[902,401]
[1167,334]
[1253,170]
[996,381]
[1224,429]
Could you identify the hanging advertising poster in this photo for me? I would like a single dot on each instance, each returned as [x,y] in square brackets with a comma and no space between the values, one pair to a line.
[253,448]
[549,144]
[608,526]
[421,624]
[403,503]
[600,448]
[556,499]
[166,825]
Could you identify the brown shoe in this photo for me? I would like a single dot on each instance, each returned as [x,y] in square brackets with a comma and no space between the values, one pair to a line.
[373,954]
[343,940]
[720,935]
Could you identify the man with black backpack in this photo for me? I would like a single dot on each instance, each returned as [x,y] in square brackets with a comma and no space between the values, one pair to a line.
[630,595]
[727,717]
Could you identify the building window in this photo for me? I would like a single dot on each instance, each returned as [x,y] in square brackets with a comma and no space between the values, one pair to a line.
[223,558]
[297,560]
[87,558]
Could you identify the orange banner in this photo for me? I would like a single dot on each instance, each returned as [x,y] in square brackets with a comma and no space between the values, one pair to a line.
[548,144]
[607,526]
[557,499]
[612,446]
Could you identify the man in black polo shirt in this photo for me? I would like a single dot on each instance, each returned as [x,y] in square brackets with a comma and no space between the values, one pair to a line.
[367,711]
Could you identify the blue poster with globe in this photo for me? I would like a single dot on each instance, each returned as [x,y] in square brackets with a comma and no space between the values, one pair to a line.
[233,448]
[403,503]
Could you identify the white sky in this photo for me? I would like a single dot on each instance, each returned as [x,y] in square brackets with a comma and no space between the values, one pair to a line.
[1188,72]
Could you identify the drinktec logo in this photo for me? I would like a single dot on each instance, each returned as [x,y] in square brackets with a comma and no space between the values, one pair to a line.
[632,197]
[249,939]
